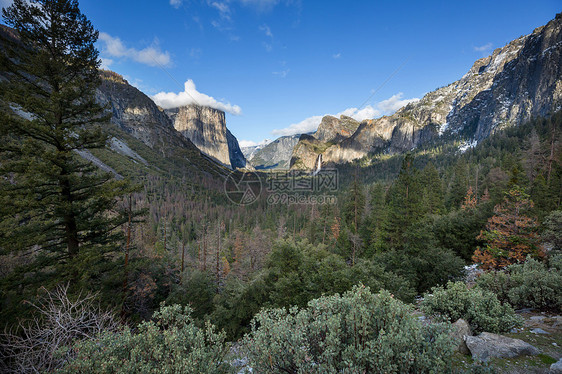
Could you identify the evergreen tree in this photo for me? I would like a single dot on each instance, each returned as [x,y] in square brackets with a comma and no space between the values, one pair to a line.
[353,213]
[459,185]
[404,200]
[433,191]
[51,199]
[373,230]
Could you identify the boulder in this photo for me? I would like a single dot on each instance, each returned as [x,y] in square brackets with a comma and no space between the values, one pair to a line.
[488,345]
[556,368]
[460,330]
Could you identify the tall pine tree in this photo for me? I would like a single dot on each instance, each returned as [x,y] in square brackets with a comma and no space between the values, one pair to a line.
[52,200]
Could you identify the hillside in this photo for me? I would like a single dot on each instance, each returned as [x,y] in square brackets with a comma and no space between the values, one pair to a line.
[515,83]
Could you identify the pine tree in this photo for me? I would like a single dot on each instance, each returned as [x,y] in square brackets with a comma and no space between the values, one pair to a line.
[433,191]
[354,208]
[459,185]
[51,199]
[405,199]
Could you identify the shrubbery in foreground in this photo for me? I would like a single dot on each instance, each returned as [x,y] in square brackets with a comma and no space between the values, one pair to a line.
[171,343]
[358,332]
[532,284]
[480,308]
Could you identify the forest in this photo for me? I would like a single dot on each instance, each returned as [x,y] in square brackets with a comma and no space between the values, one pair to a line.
[164,263]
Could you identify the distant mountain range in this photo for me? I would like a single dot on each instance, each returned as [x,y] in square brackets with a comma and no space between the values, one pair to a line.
[273,155]
[513,84]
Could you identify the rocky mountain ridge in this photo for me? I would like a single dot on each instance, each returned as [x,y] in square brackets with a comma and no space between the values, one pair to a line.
[137,126]
[516,82]
[138,116]
[331,131]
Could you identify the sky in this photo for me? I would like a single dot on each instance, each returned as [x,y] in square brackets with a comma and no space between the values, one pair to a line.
[277,66]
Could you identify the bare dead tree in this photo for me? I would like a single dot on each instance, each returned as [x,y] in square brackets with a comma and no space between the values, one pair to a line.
[31,346]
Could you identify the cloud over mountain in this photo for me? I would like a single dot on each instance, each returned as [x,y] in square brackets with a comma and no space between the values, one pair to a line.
[190,95]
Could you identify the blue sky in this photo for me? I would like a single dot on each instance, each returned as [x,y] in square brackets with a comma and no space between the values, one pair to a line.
[273,63]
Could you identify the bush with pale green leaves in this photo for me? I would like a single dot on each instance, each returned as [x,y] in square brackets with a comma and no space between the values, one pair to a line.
[358,332]
[532,284]
[480,308]
[170,343]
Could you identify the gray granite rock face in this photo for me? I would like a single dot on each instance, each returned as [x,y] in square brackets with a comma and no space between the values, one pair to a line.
[556,368]
[487,345]
[275,155]
[515,83]
[206,128]
[135,113]
[461,329]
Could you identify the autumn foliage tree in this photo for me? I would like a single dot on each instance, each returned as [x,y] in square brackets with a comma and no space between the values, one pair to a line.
[511,234]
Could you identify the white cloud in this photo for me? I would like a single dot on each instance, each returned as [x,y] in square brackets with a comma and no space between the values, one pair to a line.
[151,56]
[176,3]
[106,63]
[394,103]
[190,95]
[282,73]
[266,30]
[221,7]
[483,48]
[367,112]
[308,125]
[251,143]
[385,107]
[336,56]
[261,5]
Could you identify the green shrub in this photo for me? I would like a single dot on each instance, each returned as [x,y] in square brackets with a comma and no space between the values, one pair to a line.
[169,344]
[528,285]
[354,333]
[197,290]
[480,308]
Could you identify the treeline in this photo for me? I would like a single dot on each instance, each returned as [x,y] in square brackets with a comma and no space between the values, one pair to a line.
[227,262]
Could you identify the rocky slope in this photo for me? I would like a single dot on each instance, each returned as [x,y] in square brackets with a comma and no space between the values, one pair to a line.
[275,155]
[206,128]
[136,115]
[330,132]
[513,84]
[143,139]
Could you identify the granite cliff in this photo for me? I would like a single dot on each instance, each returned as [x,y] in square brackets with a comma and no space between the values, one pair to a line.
[276,154]
[330,132]
[206,128]
[516,82]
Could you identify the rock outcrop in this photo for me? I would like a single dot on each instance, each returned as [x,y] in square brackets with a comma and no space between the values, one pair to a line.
[206,128]
[487,345]
[135,113]
[330,131]
[275,155]
[515,83]
[556,368]
[461,330]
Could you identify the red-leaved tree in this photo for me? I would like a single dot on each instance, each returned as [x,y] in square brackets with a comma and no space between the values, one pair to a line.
[510,235]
